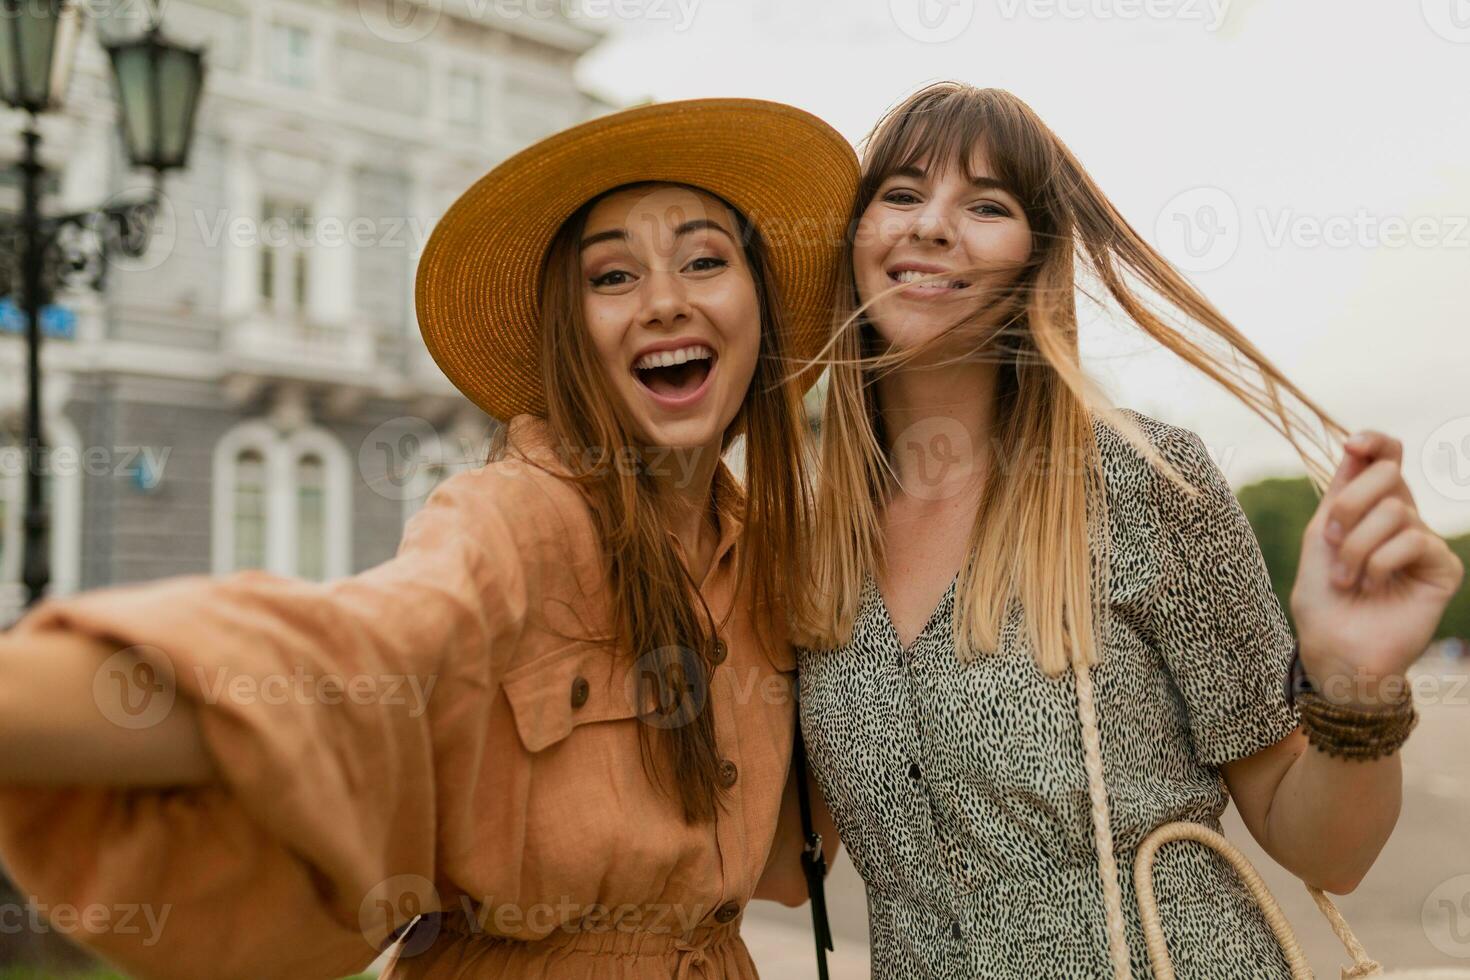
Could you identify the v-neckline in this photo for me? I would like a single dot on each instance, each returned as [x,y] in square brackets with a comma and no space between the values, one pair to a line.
[928,623]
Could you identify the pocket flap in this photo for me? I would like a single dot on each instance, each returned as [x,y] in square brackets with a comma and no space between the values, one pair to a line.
[560,690]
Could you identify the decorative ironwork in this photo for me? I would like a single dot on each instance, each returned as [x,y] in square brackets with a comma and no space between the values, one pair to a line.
[76,247]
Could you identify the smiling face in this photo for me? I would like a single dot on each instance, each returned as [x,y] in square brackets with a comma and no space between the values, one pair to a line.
[937,222]
[671,308]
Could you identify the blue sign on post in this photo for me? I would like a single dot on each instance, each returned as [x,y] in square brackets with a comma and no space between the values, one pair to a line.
[56,321]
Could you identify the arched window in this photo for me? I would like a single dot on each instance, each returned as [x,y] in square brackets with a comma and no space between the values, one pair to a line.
[311,517]
[250,509]
[282,503]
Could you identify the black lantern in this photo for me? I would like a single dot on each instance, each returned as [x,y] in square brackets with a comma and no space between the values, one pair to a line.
[158,87]
[158,90]
[37,43]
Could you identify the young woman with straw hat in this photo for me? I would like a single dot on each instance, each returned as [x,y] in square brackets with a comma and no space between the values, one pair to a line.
[592,780]
[1047,629]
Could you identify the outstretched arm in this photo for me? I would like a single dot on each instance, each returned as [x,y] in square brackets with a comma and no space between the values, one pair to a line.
[57,727]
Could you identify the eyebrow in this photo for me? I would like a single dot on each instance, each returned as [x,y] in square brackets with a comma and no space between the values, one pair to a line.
[980,183]
[620,234]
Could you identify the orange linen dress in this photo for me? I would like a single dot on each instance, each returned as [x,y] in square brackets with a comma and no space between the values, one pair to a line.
[434,735]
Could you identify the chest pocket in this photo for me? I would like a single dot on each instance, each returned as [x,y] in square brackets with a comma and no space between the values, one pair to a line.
[577,685]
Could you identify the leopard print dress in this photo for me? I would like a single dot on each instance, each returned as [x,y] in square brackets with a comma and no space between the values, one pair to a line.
[959,790]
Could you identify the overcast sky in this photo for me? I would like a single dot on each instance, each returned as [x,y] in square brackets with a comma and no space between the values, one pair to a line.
[1308,164]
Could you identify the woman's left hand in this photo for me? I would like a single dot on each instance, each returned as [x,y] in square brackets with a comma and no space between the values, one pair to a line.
[1373,580]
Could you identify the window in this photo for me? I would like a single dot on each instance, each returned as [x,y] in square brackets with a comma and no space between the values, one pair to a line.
[311,518]
[282,503]
[464,99]
[283,272]
[291,55]
[250,491]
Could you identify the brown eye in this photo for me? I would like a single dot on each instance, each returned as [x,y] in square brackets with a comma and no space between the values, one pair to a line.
[610,278]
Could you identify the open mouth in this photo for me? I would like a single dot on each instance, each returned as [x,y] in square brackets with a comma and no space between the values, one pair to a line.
[936,285]
[675,375]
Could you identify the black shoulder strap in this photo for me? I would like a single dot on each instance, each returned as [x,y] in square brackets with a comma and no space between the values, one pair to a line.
[813,861]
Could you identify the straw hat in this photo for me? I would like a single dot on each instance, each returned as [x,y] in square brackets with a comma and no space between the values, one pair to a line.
[478,282]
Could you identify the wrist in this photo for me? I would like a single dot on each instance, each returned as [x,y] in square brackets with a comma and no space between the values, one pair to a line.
[1349,686]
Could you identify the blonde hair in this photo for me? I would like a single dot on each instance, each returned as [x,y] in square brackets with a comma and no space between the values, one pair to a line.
[1030,538]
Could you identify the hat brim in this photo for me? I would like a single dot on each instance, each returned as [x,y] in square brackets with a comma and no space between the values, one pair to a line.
[477,288]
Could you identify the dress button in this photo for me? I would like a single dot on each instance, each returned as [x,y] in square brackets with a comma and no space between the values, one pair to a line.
[728,772]
[721,651]
[580,690]
[955,929]
[914,771]
[727,911]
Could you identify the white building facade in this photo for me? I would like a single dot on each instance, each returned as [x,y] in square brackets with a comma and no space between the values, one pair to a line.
[253,391]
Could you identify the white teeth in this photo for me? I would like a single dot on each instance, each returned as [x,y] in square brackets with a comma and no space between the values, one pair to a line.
[668,358]
[914,275]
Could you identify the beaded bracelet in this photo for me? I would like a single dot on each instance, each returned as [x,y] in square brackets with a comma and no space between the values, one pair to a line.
[1347,732]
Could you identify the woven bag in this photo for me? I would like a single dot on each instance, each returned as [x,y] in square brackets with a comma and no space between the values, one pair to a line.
[1158,953]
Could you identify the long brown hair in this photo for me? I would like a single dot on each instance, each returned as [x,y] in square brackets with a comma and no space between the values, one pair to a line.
[658,615]
[1030,538]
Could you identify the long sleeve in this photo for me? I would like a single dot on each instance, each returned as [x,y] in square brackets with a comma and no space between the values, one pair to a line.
[330,709]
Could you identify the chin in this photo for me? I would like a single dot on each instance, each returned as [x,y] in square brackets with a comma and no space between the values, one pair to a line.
[682,433]
[907,332]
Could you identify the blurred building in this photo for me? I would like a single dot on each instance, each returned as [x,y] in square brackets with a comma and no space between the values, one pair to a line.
[253,391]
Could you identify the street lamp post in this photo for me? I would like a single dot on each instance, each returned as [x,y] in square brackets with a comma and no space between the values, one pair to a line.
[158,85]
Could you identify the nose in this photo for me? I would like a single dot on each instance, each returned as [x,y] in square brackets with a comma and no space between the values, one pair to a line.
[665,301]
[932,225]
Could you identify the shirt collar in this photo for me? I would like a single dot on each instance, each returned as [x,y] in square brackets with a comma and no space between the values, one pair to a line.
[531,438]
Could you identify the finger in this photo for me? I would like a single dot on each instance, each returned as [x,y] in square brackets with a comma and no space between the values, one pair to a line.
[1382,479]
[1387,518]
[1347,470]
[1398,555]
[1372,444]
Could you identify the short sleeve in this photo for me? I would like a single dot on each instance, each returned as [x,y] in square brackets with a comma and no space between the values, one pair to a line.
[331,710]
[1217,621]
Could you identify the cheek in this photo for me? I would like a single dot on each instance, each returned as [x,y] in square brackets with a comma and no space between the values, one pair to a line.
[605,327]
[878,230]
[743,332]
[1004,245]
[873,239]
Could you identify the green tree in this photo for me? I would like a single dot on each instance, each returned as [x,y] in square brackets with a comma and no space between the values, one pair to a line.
[1456,620]
[1279,510]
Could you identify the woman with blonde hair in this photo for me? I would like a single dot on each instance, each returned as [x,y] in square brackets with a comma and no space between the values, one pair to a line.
[585,788]
[1045,627]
